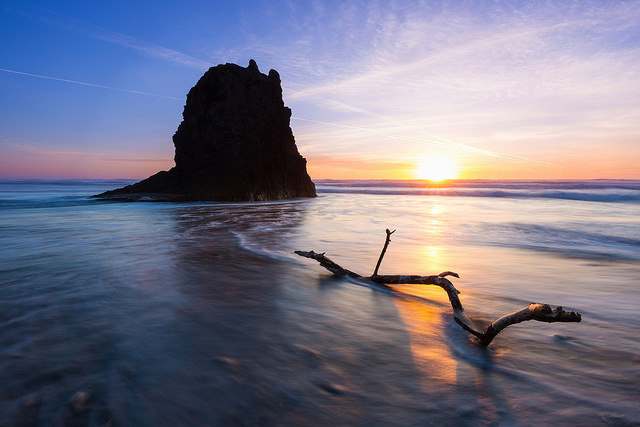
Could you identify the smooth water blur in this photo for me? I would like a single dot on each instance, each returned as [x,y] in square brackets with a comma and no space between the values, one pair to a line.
[200,313]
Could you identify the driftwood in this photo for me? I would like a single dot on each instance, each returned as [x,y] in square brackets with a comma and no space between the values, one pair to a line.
[539,312]
[384,250]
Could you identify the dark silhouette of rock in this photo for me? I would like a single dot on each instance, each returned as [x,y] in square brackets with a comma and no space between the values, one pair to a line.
[234,144]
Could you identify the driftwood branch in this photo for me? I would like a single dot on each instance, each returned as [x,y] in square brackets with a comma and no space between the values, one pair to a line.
[391,279]
[328,264]
[539,312]
[384,249]
[438,280]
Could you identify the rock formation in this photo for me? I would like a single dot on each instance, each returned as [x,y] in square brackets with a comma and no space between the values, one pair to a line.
[234,144]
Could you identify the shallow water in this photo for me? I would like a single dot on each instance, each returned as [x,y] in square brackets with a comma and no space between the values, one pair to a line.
[200,313]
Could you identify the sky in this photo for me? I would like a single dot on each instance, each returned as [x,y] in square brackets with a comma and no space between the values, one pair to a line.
[378,89]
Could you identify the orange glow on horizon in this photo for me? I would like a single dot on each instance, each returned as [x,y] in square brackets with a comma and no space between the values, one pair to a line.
[327,167]
[321,167]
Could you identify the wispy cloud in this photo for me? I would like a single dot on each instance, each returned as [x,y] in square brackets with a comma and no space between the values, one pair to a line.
[481,54]
[508,85]
[493,83]
[435,141]
[141,46]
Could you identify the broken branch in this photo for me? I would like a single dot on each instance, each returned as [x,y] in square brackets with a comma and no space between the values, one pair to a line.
[391,279]
[328,264]
[384,249]
[539,312]
[445,284]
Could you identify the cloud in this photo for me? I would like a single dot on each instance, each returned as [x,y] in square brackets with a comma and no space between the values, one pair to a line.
[141,46]
[520,83]
[502,81]
[432,140]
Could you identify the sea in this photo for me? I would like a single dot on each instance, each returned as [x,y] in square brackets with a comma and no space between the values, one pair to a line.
[201,314]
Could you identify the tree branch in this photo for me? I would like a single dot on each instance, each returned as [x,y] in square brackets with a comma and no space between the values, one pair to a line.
[439,280]
[539,312]
[328,264]
[384,249]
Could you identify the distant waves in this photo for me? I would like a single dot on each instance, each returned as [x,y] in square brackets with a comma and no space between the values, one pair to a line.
[606,191]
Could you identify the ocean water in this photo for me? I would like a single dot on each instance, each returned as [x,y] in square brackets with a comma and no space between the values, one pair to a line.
[201,314]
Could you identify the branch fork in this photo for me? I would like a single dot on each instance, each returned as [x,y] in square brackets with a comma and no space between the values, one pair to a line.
[539,312]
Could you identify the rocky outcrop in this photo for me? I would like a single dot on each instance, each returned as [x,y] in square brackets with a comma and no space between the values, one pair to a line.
[234,144]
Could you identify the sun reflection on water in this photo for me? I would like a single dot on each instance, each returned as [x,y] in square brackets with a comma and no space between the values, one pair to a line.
[432,251]
[436,209]
[434,224]
[430,354]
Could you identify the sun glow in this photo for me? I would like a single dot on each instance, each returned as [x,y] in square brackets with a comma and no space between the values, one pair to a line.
[437,168]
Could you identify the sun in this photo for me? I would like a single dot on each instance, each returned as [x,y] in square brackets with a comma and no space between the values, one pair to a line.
[436,168]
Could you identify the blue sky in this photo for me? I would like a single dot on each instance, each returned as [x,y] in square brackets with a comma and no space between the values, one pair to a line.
[495,89]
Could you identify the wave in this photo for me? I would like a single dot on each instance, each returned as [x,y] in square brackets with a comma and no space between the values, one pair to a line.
[606,191]
[23,193]
[51,193]
[611,242]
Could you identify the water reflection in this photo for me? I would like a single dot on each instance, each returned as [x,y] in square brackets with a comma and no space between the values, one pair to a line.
[424,324]
[434,224]
[196,315]
[432,252]
[436,209]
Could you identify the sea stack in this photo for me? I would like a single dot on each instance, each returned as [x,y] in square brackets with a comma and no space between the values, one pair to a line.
[234,144]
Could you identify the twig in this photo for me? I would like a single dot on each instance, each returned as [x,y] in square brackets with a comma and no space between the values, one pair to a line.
[384,249]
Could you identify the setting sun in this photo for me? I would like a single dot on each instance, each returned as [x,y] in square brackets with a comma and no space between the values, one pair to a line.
[436,168]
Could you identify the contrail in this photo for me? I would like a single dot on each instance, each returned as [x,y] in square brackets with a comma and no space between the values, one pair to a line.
[90,84]
[445,143]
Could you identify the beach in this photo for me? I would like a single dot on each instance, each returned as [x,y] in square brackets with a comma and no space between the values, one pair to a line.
[201,314]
